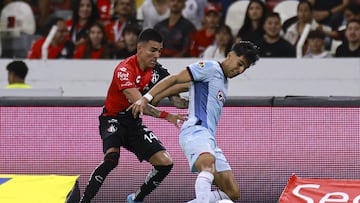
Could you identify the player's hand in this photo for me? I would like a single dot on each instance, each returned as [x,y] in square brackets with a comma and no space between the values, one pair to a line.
[138,107]
[176,119]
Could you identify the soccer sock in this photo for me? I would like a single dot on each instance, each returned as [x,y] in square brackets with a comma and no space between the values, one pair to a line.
[217,195]
[203,186]
[153,179]
[98,176]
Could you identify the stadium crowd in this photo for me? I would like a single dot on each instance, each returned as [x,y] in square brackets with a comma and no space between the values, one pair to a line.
[108,29]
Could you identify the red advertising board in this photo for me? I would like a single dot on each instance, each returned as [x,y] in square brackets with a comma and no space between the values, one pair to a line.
[312,190]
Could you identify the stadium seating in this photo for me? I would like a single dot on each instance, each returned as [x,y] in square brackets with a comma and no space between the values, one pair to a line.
[286,9]
[235,15]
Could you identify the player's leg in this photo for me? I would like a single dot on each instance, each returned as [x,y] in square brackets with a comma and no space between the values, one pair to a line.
[205,164]
[225,180]
[110,135]
[149,148]
[198,146]
[98,176]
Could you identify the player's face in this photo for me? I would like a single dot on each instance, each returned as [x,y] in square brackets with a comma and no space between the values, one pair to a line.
[235,65]
[148,53]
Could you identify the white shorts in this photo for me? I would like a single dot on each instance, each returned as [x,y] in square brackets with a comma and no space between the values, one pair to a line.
[196,140]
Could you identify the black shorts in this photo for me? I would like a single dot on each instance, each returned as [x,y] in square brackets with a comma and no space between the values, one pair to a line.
[125,131]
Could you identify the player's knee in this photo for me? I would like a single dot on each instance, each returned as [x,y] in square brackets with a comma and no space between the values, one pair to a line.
[234,194]
[112,159]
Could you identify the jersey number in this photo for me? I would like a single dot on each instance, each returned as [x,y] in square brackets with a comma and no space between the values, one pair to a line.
[149,136]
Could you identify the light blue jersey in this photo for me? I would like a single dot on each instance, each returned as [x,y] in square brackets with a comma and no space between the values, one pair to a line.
[207,97]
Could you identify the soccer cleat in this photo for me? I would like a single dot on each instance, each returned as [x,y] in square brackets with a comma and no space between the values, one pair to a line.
[130,198]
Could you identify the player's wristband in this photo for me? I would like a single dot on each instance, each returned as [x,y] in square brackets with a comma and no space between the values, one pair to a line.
[163,114]
[148,97]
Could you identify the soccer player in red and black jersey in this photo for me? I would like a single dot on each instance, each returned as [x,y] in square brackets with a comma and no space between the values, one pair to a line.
[118,128]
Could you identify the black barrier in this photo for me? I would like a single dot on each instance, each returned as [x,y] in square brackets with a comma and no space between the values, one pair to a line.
[288,101]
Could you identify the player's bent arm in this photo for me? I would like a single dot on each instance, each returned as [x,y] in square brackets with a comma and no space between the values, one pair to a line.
[133,95]
[182,77]
[173,94]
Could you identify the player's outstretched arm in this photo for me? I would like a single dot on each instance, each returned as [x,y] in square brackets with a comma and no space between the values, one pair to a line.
[173,94]
[180,78]
[133,95]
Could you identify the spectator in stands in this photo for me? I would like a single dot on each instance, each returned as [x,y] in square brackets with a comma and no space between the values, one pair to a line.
[106,10]
[252,28]
[316,43]
[125,13]
[305,16]
[85,13]
[329,12]
[352,11]
[96,45]
[176,31]
[130,36]
[272,43]
[351,47]
[205,37]
[154,11]
[59,47]
[17,71]
[194,11]
[223,43]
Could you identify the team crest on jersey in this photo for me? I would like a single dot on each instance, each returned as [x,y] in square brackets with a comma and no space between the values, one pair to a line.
[201,64]
[123,69]
[112,128]
[221,96]
[155,77]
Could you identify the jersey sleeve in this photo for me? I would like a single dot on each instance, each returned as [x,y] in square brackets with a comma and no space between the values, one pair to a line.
[203,70]
[124,77]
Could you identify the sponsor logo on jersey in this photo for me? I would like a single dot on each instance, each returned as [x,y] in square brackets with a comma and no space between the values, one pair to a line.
[126,84]
[123,76]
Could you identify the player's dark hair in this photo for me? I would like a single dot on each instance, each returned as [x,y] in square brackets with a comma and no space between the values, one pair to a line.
[150,34]
[19,68]
[247,49]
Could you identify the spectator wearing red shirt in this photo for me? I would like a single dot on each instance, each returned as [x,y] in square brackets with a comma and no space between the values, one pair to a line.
[205,37]
[95,46]
[85,13]
[60,46]
[106,10]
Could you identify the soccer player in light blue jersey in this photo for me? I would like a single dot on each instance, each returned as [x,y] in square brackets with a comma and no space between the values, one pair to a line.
[207,95]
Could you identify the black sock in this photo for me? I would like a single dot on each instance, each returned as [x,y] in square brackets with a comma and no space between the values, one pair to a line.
[153,179]
[98,177]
